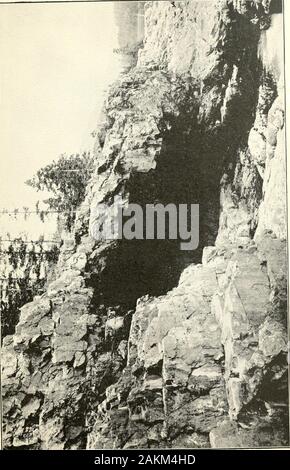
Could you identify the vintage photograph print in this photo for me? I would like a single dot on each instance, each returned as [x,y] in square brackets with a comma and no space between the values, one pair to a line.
[143,215]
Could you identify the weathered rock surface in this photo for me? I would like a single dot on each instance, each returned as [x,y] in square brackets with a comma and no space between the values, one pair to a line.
[209,357]
[136,343]
[173,389]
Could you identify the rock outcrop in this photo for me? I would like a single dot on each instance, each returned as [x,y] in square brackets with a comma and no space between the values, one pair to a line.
[137,343]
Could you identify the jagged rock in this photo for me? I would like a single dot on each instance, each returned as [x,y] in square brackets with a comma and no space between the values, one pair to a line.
[139,345]
[9,364]
[31,407]
[115,323]
[168,340]
[272,339]
[196,392]
[258,434]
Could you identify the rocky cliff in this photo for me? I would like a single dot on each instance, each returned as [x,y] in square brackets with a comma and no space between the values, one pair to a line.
[137,343]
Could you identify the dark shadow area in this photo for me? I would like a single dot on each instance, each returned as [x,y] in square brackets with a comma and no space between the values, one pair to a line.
[198,148]
[276,6]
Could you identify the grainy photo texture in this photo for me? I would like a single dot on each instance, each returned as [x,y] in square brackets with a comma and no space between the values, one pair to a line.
[143,266]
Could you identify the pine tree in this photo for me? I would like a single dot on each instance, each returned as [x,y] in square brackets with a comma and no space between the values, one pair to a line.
[66,178]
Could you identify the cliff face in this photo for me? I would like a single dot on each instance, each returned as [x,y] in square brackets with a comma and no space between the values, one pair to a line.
[136,343]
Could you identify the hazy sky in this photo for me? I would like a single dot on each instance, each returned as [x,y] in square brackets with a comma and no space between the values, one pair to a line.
[56,60]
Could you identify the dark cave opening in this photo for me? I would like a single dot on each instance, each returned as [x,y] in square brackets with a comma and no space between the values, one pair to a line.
[198,148]
[188,172]
[133,269]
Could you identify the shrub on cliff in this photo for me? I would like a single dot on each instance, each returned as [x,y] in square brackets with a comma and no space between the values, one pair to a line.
[129,49]
[24,269]
[66,178]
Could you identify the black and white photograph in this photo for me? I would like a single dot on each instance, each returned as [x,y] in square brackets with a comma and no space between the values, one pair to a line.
[143,227]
